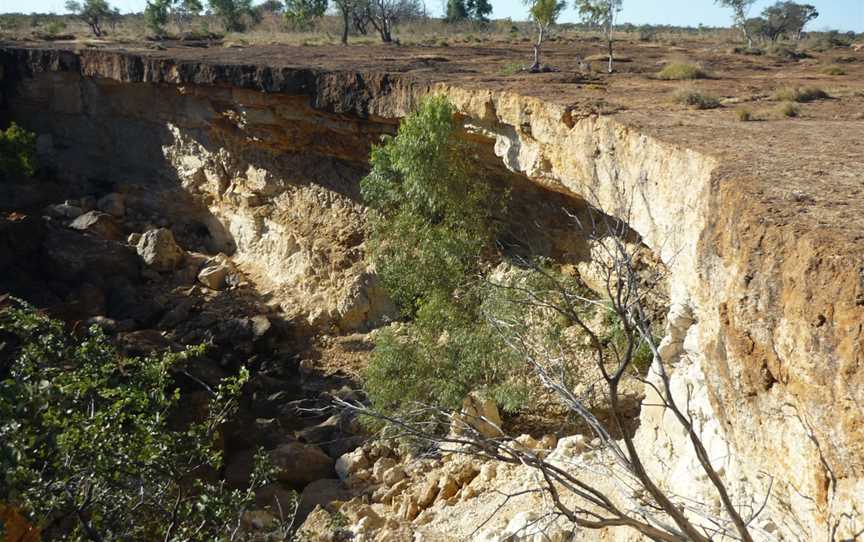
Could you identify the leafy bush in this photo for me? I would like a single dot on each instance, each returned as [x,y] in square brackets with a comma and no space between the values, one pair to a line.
[17,152]
[695,99]
[678,71]
[433,222]
[800,95]
[87,450]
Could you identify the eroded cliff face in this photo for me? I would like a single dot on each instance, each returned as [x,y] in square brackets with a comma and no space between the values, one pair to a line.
[765,323]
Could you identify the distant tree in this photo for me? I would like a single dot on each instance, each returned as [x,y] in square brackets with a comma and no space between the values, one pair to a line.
[601,13]
[93,12]
[270,6]
[156,16]
[383,14]
[544,13]
[302,13]
[183,11]
[739,9]
[478,10]
[232,13]
[457,11]
[788,18]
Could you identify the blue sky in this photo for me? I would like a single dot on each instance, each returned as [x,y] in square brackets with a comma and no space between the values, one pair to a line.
[835,14]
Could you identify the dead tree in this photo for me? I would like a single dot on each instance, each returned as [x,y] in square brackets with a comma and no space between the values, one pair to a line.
[626,288]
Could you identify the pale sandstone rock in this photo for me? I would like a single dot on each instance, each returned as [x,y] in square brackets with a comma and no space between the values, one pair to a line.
[350,463]
[480,414]
[100,224]
[213,276]
[158,249]
[299,464]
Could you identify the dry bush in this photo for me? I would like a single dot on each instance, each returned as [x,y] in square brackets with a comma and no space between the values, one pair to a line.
[680,71]
[787,110]
[800,94]
[744,115]
[695,99]
[833,70]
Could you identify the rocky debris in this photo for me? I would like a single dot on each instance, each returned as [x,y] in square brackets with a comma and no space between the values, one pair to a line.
[528,526]
[133,239]
[114,204]
[351,463]
[213,276]
[142,343]
[76,258]
[100,224]
[64,210]
[478,414]
[158,249]
[299,464]
[321,493]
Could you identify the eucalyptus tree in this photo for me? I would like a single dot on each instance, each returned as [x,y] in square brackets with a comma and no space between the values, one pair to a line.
[739,9]
[544,13]
[601,13]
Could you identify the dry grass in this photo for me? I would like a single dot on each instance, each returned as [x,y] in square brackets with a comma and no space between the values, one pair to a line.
[800,94]
[744,115]
[681,71]
[787,110]
[833,70]
[695,99]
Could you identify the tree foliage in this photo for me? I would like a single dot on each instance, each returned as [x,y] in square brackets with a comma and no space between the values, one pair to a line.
[302,13]
[93,12]
[17,152]
[433,225]
[89,449]
[739,15]
[782,19]
[544,13]
[477,11]
[601,13]
[158,13]
[233,13]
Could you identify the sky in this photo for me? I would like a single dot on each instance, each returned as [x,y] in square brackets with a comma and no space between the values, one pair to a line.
[834,14]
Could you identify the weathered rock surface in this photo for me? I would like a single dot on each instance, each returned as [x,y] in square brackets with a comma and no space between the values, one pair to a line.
[100,224]
[159,250]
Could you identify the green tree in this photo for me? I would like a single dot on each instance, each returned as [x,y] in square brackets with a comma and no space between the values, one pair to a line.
[156,16]
[90,450]
[232,13]
[17,152]
[601,13]
[544,13]
[478,10]
[457,11]
[433,225]
[93,12]
[302,13]
[739,10]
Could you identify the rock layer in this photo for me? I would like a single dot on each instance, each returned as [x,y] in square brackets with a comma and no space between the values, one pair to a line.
[768,303]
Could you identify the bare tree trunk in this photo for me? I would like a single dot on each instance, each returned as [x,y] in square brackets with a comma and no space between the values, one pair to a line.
[345,16]
[535,67]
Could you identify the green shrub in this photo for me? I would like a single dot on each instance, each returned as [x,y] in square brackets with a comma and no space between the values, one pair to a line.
[17,152]
[433,223]
[87,444]
[511,68]
[695,99]
[799,94]
[833,70]
[787,110]
[678,71]
[55,27]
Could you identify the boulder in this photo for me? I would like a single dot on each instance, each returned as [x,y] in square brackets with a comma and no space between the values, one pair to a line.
[393,475]
[64,210]
[213,276]
[114,204]
[351,462]
[480,414]
[99,224]
[76,258]
[321,493]
[298,464]
[159,250]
